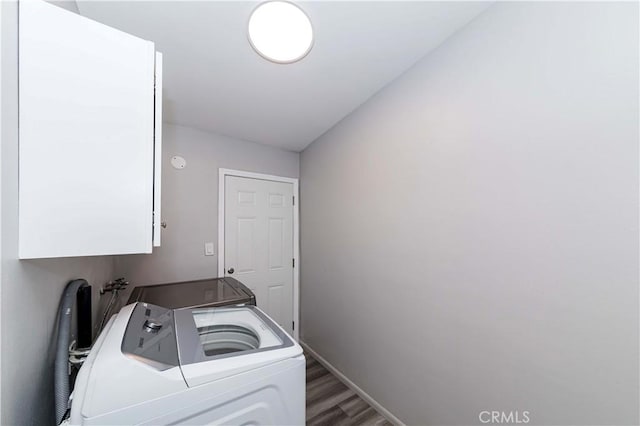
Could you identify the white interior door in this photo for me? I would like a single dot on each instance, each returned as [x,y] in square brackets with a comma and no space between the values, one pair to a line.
[258,246]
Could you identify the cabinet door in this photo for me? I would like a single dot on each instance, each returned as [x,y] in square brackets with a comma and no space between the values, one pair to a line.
[157,166]
[86,136]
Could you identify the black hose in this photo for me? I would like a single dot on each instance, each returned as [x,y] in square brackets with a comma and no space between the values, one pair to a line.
[61,366]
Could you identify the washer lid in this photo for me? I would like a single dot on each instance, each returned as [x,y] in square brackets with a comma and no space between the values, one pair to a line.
[218,342]
[195,294]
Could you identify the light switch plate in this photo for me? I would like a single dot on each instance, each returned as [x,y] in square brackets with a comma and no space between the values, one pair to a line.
[208,249]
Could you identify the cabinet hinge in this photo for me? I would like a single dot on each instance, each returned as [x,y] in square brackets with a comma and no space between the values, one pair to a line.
[293,262]
[293,325]
[294,200]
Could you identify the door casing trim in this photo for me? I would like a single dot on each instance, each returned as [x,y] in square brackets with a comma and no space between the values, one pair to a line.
[222,174]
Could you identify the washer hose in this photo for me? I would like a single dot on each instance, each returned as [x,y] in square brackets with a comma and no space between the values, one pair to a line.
[61,367]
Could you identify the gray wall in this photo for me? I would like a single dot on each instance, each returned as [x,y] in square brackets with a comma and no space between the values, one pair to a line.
[470,234]
[70,5]
[31,289]
[190,202]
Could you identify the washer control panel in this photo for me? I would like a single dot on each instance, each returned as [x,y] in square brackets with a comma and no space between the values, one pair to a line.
[150,336]
[152,325]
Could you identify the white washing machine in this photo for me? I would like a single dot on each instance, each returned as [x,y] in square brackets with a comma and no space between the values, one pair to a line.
[154,366]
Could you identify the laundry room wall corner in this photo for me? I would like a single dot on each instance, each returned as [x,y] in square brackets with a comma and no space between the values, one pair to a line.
[190,201]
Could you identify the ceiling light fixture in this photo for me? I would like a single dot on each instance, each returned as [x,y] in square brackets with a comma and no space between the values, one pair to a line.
[280,32]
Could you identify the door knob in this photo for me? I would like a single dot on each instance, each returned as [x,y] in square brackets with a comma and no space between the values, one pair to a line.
[231,270]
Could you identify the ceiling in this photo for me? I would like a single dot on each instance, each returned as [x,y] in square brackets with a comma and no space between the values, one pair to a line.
[214,81]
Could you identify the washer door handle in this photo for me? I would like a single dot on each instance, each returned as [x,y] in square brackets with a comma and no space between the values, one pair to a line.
[230,271]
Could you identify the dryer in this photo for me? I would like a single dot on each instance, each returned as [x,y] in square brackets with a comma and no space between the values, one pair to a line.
[223,365]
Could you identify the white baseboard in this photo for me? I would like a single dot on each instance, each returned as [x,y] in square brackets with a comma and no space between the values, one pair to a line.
[344,379]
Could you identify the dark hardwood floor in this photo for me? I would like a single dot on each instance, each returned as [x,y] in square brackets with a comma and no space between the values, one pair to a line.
[331,402]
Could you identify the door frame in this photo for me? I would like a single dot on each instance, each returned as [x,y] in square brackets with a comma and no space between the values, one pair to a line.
[222,174]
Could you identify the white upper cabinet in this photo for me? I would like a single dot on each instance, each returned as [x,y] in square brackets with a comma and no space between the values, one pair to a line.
[90,130]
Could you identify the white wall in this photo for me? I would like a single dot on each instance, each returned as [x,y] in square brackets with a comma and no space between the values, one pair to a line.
[2,36]
[30,290]
[470,234]
[190,202]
